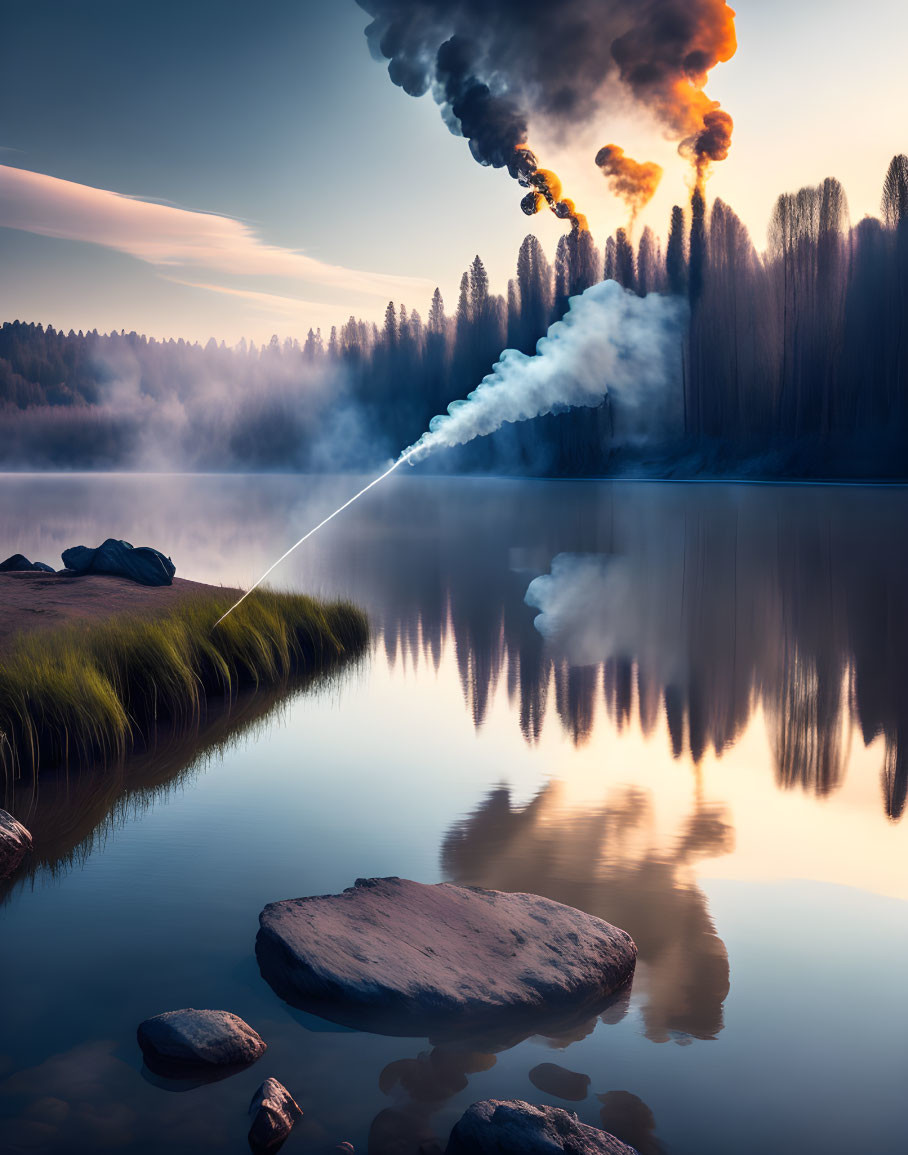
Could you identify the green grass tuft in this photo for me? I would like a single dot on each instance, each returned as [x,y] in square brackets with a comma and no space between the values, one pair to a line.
[89,693]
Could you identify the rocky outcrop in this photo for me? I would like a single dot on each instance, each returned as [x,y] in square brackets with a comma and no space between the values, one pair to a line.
[19,563]
[180,1042]
[274,1111]
[405,958]
[140,564]
[15,843]
[511,1127]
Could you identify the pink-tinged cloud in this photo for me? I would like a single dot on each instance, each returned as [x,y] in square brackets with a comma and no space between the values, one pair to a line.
[164,235]
[277,306]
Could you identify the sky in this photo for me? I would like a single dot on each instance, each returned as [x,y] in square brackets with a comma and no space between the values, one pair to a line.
[222,168]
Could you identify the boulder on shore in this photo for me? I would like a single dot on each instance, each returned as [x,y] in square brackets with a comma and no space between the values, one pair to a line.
[142,564]
[15,843]
[178,1042]
[511,1127]
[274,1111]
[405,958]
[19,563]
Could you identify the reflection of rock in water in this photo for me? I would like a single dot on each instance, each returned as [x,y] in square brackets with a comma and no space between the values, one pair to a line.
[602,861]
[630,1119]
[423,1085]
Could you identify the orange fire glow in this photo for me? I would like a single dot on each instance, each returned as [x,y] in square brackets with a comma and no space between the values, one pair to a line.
[635,182]
[670,77]
[545,189]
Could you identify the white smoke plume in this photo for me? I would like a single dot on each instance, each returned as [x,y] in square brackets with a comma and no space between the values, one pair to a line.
[611,344]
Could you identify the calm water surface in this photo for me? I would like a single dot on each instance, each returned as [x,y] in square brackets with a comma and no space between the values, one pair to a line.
[681,708]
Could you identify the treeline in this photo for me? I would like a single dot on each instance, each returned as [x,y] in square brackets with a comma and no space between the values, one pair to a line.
[795,361]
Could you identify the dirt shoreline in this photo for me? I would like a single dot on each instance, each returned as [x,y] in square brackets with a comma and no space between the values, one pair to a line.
[33,601]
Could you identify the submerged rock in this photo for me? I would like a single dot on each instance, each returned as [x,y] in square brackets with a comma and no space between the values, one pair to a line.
[19,563]
[180,1041]
[511,1127]
[403,958]
[140,564]
[560,1082]
[274,1112]
[15,843]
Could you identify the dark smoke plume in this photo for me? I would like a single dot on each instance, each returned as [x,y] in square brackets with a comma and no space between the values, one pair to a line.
[495,65]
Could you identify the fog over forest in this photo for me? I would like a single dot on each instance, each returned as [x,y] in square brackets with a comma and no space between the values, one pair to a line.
[793,362]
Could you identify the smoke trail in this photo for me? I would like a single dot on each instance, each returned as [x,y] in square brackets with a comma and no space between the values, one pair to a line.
[495,65]
[340,509]
[611,343]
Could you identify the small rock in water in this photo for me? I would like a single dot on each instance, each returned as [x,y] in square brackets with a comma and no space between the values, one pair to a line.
[407,958]
[274,1112]
[15,843]
[178,1041]
[511,1127]
[560,1082]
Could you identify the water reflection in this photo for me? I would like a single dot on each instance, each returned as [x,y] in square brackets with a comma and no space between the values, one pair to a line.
[698,604]
[422,1086]
[628,1118]
[71,814]
[604,860]
[676,620]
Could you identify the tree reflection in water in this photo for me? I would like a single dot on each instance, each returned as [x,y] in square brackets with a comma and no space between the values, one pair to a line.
[697,604]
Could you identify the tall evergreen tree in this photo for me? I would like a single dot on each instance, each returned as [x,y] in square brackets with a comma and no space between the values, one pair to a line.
[534,285]
[676,254]
[625,273]
[647,263]
[611,260]
[697,249]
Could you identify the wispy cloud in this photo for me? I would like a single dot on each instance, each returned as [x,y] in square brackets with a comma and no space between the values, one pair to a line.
[277,307]
[272,301]
[171,237]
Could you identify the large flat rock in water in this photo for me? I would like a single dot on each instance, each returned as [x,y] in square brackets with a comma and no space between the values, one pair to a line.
[404,958]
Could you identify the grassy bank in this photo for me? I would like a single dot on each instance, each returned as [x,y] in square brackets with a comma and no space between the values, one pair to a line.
[90,692]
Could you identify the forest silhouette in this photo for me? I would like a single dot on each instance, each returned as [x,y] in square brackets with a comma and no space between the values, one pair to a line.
[794,363]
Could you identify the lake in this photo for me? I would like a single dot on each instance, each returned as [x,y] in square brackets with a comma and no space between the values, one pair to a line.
[683,708]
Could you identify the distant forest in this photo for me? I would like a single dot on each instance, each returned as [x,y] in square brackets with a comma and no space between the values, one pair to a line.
[795,363]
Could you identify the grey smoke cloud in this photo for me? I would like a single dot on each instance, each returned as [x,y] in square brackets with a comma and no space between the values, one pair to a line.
[610,344]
